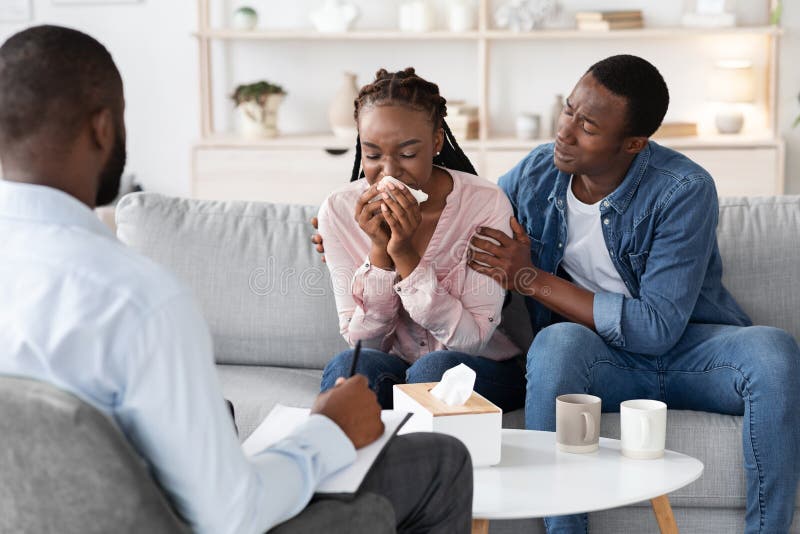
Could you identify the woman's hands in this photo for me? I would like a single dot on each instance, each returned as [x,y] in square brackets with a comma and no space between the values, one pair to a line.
[403,216]
[390,224]
[370,219]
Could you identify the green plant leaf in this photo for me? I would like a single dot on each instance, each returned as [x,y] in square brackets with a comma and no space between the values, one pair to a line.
[796,122]
[257,92]
[777,13]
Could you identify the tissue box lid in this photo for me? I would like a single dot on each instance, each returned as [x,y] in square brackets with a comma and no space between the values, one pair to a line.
[476,404]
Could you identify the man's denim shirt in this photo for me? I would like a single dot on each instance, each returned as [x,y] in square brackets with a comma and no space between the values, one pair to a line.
[660,230]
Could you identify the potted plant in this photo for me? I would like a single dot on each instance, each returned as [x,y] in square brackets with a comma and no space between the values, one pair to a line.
[257,104]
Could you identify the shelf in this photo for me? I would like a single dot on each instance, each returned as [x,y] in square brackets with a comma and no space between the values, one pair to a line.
[229,140]
[232,140]
[499,35]
[307,35]
[645,33]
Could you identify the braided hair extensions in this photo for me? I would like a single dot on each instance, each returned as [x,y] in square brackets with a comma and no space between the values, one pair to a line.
[407,88]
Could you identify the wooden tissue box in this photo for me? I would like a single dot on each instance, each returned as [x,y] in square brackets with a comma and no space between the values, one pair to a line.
[477,423]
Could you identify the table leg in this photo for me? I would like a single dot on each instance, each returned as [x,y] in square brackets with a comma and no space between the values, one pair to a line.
[663,512]
[480,526]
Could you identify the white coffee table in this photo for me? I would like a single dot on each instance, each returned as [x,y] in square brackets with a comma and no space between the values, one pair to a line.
[534,479]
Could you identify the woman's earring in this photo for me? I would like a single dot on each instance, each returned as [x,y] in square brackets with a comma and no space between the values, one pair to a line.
[438,153]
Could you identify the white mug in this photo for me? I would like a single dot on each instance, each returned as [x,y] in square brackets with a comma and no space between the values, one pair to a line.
[644,428]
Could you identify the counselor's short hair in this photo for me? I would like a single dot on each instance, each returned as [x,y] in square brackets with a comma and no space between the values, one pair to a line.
[51,79]
[640,83]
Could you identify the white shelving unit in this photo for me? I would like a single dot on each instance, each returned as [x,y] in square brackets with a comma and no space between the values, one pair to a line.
[229,167]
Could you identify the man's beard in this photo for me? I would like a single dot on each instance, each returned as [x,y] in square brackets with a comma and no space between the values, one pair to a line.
[111,174]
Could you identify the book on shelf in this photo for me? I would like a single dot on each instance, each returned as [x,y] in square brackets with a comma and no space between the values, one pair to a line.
[676,129]
[609,15]
[609,25]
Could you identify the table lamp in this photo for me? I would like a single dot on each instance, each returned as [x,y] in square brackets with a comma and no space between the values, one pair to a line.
[731,84]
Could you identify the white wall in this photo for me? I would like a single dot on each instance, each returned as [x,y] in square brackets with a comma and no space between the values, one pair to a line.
[152,44]
[153,48]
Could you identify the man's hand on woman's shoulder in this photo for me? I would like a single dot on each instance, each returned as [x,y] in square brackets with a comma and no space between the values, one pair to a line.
[508,261]
[316,238]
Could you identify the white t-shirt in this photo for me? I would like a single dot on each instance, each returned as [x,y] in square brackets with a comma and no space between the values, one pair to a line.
[586,258]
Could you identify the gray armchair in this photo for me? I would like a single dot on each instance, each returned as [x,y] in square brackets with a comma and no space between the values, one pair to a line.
[65,467]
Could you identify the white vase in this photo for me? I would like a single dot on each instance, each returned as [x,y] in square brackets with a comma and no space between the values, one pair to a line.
[416,16]
[259,120]
[334,16]
[528,126]
[461,16]
[340,110]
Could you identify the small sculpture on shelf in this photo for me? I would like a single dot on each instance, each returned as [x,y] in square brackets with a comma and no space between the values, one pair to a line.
[709,13]
[334,16]
[245,18]
[525,15]
[257,104]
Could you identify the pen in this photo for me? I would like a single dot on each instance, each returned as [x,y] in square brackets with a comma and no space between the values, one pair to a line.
[356,353]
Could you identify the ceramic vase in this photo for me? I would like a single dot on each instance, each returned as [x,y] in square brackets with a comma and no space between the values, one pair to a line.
[461,16]
[416,16]
[340,111]
[555,114]
[528,126]
[259,120]
[334,16]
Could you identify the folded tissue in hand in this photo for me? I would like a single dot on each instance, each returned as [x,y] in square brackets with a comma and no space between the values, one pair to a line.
[451,407]
[421,196]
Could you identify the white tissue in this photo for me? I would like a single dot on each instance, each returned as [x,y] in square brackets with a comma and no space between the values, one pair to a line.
[421,196]
[456,385]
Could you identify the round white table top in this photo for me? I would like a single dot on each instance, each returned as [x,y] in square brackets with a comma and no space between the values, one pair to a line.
[535,479]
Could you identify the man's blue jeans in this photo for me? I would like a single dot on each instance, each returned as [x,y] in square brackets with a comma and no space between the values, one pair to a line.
[751,371]
[503,383]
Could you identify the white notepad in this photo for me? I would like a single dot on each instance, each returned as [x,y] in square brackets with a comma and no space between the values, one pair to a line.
[283,420]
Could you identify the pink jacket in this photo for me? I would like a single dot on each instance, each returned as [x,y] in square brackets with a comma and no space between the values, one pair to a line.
[443,304]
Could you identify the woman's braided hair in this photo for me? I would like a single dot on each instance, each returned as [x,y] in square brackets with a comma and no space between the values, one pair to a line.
[405,87]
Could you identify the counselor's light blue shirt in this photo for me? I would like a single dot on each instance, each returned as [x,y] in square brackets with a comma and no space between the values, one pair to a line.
[83,312]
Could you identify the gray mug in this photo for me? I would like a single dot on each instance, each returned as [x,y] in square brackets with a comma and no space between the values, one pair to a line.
[578,423]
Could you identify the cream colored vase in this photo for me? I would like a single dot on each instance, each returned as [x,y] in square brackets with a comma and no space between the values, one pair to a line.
[259,120]
[340,112]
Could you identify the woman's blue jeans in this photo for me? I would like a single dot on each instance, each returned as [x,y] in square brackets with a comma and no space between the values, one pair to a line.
[750,371]
[503,383]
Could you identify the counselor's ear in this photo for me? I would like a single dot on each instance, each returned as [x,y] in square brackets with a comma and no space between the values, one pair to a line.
[102,129]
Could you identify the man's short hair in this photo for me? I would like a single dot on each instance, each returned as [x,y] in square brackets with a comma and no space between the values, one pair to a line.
[640,83]
[55,77]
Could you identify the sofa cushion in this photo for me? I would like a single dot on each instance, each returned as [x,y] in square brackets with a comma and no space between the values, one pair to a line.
[265,293]
[268,298]
[255,390]
[758,239]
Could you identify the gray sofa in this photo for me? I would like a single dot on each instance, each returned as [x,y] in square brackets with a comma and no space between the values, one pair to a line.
[267,298]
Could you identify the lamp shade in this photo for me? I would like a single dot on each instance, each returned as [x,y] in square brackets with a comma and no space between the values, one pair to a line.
[731,81]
